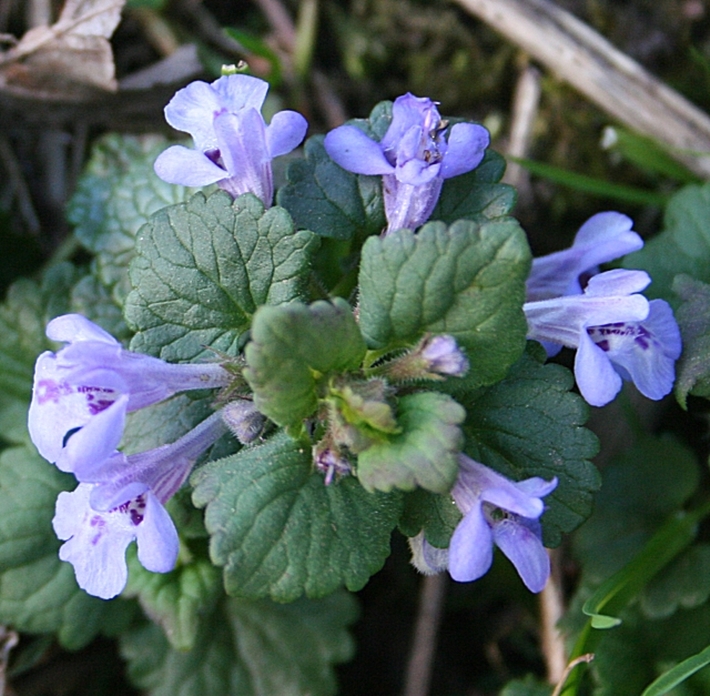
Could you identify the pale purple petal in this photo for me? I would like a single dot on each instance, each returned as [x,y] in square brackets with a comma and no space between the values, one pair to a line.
[285,132]
[95,543]
[645,351]
[238,92]
[617,282]
[596,377]
[187,167]
[608,231]
[353,150]
[517,540]
[606,300]
[191,110]
[537,486]
[59,406]
[510,497]
[95,441]
[471,547]
[408,206]
[603,238]
[69,328]
[417,172]
[444,356]
[242,143]
[409,111]
[158,542]
[466,146]
[478,482]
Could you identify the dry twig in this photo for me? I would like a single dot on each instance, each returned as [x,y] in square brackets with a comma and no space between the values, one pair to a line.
[421,658]
[616,83]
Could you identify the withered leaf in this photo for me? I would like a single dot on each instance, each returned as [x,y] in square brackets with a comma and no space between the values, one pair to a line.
[70,59]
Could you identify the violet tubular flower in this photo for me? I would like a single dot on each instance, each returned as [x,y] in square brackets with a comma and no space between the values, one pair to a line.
[413,157]
[603,238]
[617,333]
[82,393]
[496,511]
[123,499]
[233,144]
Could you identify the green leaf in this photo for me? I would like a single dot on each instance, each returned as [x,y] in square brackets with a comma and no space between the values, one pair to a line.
[293,349]
[323,197]
[436,515]
[177,601]
[280,532]
[476,195]
[467,280]
[528,687]
[38,592]
[682,247]
[684,583]
[423,454]
[250,649]
[642,487]
[615,593]
[647,154]
[114,197]
[202,269]
[530,424]
[678,674]
[693,318]
[632,656]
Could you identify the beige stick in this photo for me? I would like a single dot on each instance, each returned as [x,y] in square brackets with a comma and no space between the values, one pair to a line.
[613,81]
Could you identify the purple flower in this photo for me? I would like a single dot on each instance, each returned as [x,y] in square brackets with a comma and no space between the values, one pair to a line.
[495,511]
[617,333]
[641,352]
[234,146]
[121,499]
[443,356]
[602,238]
[82,393]
[413,157]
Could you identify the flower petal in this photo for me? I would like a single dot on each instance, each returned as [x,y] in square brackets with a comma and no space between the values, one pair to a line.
[192,109]
[603,238]
[409,111]
[517,540]
[181,165]
[96,441]
[285,132]
[158,542]
[242,142]
[70,328]
[60,406]
[596,377]
[238,92]
[353,150]
[647,350]
[95,543]
[471,547]
[466,146]
[617,282]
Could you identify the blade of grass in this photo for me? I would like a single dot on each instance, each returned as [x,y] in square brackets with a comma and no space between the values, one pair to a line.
[588,184]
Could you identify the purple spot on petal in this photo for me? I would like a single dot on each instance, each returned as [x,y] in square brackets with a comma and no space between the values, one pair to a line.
[99,523]
[49,390]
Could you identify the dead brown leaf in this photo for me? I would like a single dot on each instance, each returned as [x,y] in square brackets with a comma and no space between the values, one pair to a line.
[70,59]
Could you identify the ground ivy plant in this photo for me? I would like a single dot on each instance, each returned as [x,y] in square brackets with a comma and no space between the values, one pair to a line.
[260,387]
